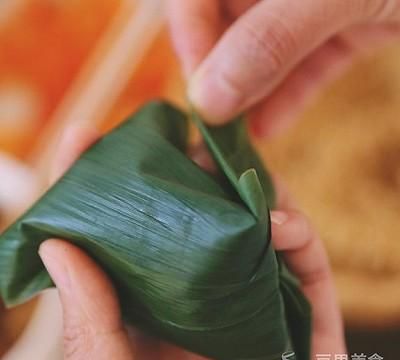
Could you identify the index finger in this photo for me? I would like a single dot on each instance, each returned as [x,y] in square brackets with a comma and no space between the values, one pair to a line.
[305,255]
[195,28]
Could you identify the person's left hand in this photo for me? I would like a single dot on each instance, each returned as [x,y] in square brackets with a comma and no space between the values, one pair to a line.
[93,328]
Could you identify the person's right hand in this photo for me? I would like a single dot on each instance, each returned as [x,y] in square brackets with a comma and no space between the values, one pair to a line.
[272,56]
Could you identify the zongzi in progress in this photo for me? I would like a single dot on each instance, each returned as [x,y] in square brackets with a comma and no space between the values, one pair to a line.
[190,254]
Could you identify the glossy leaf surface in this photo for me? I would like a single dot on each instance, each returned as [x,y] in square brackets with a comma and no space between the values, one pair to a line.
[190,254]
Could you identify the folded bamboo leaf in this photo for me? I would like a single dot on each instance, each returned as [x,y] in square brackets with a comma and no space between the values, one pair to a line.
[190,254]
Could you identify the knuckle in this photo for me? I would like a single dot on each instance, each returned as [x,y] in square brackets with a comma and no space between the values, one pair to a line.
[377,9]
[318,275]
[271,46]
[77,341]
[232,84]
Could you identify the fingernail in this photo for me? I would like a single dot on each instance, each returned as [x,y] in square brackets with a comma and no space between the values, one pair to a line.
[279,217]
[215,100]
[58,272]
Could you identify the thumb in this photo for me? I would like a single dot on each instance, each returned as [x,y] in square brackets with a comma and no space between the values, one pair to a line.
[93,327]
[266,43]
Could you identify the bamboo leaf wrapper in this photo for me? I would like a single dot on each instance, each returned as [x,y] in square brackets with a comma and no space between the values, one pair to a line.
[190,254]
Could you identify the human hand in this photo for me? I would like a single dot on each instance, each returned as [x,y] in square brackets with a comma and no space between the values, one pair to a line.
[93,328]
[272,57]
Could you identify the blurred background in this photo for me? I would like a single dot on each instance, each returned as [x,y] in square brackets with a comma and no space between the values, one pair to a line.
[95,62]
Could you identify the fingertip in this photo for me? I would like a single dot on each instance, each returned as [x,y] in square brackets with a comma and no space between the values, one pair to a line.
[80,282]
[47,246]
[200,155]
[291,230]
[256,128]
[52,254]
[279,217]
[74,140]
[212,97]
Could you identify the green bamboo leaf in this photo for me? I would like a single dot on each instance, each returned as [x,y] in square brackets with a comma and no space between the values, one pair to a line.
[190,255]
